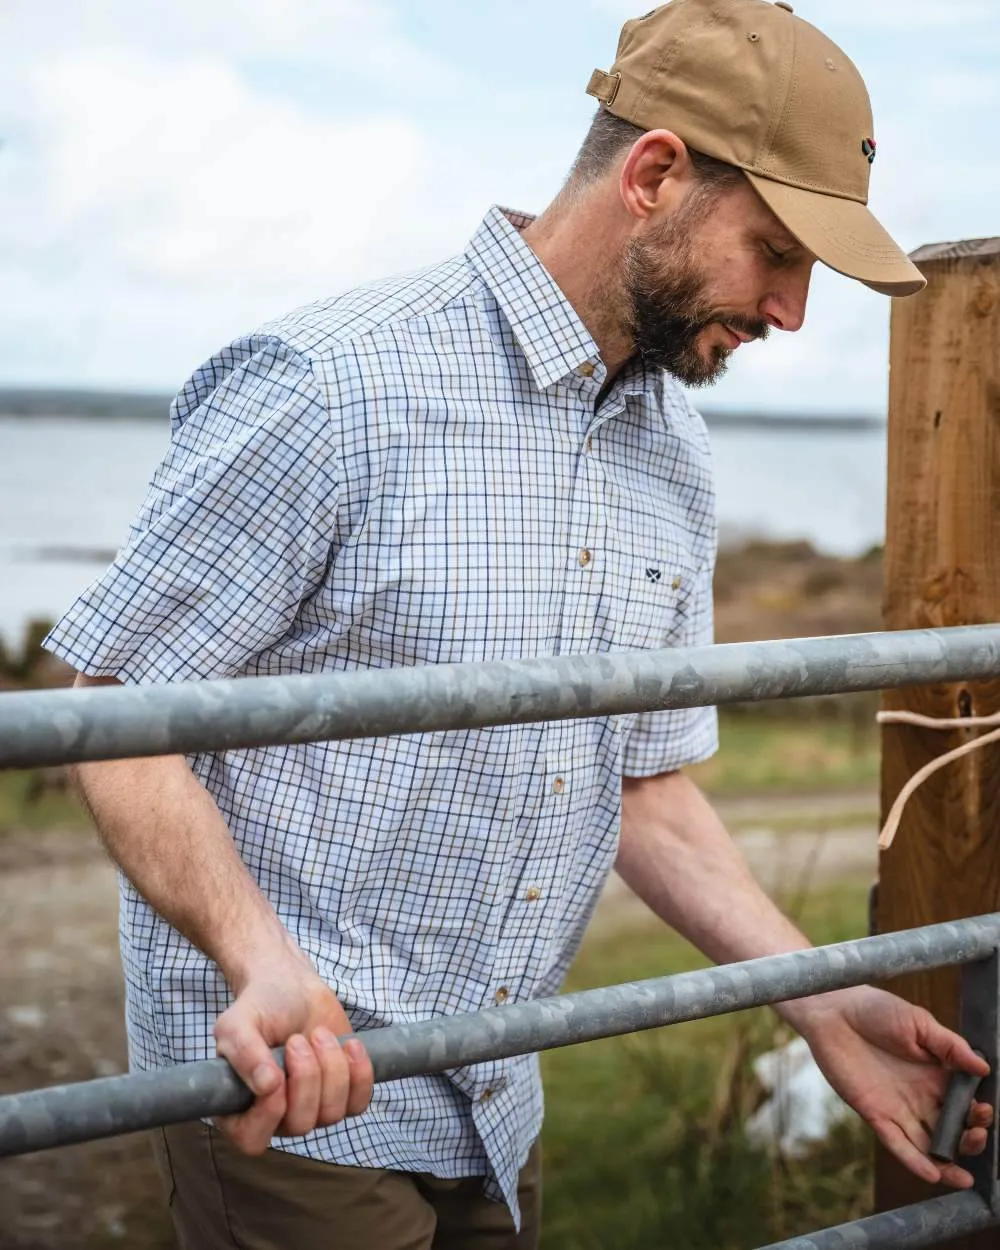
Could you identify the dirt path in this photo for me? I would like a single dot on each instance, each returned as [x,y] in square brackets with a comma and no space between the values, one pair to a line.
[61,1020]
[61,1001]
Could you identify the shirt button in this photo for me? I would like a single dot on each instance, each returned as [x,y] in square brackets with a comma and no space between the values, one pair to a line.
[559,785]
[586,370]
[585,557]
[532,894]
[676,583]
[589,445]
[486,1095]
[501,996]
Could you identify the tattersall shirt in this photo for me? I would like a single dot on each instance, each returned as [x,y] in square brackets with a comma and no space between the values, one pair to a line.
[417,472]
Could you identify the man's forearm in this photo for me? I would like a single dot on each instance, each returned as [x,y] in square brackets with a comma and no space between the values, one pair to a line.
[676,854]
[170,839]
[168,836]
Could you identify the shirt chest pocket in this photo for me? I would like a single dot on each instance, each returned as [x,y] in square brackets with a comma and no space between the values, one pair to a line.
[657,597]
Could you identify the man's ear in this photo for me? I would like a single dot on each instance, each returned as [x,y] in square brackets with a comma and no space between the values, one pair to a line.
[655,175]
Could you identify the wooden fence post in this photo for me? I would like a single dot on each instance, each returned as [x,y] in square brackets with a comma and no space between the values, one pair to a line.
[942,567]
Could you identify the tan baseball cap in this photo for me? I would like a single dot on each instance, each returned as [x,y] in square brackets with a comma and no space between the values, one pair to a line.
[750,83]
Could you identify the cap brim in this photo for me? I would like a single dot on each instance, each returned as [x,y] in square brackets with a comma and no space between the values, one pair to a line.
[842,234]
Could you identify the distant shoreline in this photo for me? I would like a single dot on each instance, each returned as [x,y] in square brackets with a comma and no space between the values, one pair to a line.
[28,402]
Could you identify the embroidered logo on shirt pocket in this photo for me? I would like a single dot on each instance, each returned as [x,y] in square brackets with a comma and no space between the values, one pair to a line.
[657,598]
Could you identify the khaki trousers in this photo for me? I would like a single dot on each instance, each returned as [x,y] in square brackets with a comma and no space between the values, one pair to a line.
[221,1199]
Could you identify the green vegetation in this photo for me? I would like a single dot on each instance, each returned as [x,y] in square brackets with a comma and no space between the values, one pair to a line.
[39,799]
[644,1135]
[24,666]
[762,751]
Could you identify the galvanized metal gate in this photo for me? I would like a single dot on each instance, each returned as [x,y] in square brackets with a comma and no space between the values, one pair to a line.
[52,727]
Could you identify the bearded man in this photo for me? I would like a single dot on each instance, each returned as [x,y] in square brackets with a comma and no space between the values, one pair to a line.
[488,460]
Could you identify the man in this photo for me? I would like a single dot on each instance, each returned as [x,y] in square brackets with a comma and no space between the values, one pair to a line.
[488,460]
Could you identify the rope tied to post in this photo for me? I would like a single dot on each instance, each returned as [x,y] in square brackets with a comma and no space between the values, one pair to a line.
[891,825]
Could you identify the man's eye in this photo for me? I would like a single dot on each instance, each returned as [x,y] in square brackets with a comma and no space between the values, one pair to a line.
[775,253]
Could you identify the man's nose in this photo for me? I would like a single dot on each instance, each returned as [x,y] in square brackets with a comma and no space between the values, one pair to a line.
[784,307]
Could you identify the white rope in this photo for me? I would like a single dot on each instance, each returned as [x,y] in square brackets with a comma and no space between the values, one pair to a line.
[920,776]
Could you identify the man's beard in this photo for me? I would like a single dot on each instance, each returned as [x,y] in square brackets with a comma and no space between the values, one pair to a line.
[667,309]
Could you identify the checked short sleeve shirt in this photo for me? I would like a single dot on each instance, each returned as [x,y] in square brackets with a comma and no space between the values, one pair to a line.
[416,472]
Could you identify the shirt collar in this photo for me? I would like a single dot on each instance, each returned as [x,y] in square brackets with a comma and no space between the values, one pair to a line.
[546,326]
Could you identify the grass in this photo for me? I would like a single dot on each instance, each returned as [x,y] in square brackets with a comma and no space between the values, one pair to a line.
[761,752]
[38,799]
[644,1135]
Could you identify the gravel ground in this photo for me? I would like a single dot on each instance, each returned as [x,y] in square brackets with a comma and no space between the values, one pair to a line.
[61,1020]
[61,1003]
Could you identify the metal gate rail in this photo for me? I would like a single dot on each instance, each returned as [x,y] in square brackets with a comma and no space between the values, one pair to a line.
[65,726]
[119,1104]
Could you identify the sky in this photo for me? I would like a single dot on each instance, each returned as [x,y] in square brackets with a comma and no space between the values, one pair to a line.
[172,174]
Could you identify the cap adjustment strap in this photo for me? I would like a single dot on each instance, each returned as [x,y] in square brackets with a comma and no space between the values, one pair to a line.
[604,87]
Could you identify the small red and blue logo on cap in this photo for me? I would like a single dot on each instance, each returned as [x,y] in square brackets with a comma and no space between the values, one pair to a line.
[868,147]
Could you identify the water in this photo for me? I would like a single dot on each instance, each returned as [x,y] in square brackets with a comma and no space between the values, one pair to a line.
[69,486]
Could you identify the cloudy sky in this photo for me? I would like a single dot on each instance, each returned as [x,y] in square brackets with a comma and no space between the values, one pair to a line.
[173,173]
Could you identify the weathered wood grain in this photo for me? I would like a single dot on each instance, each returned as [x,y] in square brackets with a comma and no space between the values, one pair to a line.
[942,567]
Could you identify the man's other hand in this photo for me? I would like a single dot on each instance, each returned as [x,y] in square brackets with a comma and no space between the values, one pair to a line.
[890,1061]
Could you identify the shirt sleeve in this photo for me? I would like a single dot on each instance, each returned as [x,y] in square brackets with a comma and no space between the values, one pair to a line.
[662,742]
[235,532]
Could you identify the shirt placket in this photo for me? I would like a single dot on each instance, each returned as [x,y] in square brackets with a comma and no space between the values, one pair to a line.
[585,555]
[591,574]
[583,563]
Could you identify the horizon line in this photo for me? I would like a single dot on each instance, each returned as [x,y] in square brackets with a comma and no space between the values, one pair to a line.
[29,401]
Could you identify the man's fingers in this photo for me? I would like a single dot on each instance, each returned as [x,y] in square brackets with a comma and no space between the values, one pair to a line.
[973,1142]
[245,1049]
[951,1049]
[335,1076]
[252,1131]
[362,1076]
[243,1046]
[910,1153]
[898,1144]
[302,1068]
[956,1177]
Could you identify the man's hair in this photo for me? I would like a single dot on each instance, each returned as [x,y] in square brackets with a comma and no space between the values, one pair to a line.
[609,135]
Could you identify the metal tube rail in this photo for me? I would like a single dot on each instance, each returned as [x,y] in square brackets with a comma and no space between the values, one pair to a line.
[65,726]
[907,1228]
[66,1114]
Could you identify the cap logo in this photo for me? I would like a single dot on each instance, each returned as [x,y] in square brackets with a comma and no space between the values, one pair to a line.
[868,147]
